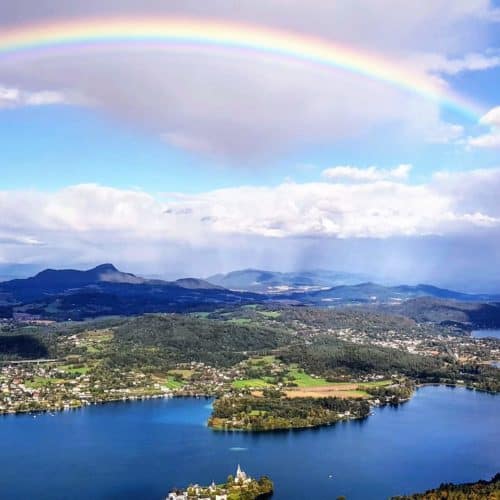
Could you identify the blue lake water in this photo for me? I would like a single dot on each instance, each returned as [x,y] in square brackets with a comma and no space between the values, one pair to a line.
[481,334]
[140,450]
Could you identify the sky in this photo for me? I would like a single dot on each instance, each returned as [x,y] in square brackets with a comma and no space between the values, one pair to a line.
[174,159]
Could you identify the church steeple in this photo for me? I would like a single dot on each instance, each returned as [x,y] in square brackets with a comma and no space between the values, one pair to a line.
[241,476]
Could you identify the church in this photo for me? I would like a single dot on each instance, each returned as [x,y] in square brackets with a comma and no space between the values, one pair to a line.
[241,480]
[241,476]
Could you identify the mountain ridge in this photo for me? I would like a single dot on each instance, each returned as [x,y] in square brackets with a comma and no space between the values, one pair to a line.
[266,281]
[105,290]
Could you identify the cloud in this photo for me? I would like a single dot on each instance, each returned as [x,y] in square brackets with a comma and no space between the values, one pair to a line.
[368,174]
[473,61]
[491,140]
[378,207]
[486,141]
[445,133]
[492,14]
[438,228]
[472,191]
[240,107]
[11,97]
[8,239]
[199,145]
[491,118]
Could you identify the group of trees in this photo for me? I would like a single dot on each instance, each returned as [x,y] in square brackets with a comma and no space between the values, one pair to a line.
[332,358]
[393,394]
[22,346]
[274,412]
[180,338]
[482,490]
[328,354]
[353,318]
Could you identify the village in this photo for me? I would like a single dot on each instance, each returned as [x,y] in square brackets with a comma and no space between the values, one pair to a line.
[32,387]
[420,339]
[80,374]
[239,486]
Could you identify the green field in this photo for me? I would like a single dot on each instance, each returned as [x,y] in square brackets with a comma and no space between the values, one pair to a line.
[240,321]
[181,372]
[257,413]
[80,370]
[356,394]
[172,383]
[39,382]
[251,383]
[302,379]
[263,360]
[270,314]
[104,335]
[377,383]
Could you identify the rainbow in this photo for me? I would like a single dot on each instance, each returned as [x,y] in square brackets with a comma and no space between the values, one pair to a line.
[167,32]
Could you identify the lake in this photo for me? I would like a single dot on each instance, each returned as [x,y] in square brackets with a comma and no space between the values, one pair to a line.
[481,334]
[142,449]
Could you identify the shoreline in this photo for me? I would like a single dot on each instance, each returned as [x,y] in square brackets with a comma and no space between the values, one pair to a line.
[454,386]
[135,399]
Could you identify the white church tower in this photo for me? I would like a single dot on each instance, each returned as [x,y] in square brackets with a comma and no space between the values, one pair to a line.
[241,476]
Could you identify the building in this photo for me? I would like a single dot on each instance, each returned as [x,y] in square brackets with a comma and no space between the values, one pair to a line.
[177,495]
[198,492]
[241,476]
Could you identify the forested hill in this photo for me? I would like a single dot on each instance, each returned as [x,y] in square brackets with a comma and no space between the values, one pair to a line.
[482,490]
[163,338]
[367,293]
[441,311]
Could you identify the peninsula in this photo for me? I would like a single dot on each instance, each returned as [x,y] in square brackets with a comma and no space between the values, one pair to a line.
[238,487]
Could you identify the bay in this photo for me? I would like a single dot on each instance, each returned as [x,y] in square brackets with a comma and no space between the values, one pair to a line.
[142,449]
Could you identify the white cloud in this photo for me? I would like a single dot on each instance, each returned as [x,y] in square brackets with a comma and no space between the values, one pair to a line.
[472,191]
[486,141]
[445,133]
[368,174]
[492,117]
[490,140]
[473,61]
[189,143]
[12,239]
[13,97]
[375,209]
[492,14]
[383,225]
[91,215]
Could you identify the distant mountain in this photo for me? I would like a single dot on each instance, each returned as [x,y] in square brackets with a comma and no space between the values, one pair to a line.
[197,284]
[104,290]
[257,280]
[53,281]
[374,293]
[448,312]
